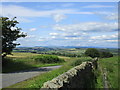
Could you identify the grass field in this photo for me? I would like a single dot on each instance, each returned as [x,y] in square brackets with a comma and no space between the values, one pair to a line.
[22,55]
[110,67]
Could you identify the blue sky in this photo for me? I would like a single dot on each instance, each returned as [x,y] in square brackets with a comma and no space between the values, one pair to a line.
[65,23]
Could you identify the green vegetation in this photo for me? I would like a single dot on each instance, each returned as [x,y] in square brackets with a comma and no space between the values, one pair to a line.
[38,81]
[99,79]
[92,52]
[48,59]
[23,61]
[80,60]
[110,67]
[102,53]
[10,33]
[114,51]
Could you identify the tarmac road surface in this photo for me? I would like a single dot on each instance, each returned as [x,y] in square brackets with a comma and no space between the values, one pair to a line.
[13,78]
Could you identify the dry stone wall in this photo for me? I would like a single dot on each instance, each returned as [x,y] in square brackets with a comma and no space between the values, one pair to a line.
[81,76]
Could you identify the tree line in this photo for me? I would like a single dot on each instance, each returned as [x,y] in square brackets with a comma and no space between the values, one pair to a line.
[92,52]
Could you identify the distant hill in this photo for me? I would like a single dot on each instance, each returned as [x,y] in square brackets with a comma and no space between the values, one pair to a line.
[68,47]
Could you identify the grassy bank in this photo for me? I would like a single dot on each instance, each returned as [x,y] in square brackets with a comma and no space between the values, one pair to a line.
[110,67]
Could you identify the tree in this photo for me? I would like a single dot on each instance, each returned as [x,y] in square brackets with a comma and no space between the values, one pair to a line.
[10,33]
[104,54]
[92,52]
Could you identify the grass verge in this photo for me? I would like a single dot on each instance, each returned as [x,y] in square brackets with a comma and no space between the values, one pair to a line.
[111,67]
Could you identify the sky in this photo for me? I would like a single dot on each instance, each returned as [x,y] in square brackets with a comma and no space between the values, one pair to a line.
[65,23]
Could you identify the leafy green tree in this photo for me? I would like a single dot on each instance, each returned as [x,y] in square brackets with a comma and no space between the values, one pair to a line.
[92,52]
[104,54]
[10,33]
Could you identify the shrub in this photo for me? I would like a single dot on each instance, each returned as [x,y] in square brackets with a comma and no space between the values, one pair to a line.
[80,60]
[104,54]
[92,52]
[48,59]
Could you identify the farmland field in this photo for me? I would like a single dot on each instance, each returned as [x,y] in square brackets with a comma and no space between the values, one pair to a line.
[22,55]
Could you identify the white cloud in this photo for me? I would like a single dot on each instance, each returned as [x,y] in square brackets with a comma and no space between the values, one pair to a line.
[112,40]
[27,38]
[90,40]
[112,16]
[77,12]
[58,17]
[42,39]
[68,35]
[33,29]
[87,26]
[24,20]
[108,15]
[98,6]
[103,37]
[15,10]
[73,38]
[74,34]
[20,11]
[53,37]
[53,34]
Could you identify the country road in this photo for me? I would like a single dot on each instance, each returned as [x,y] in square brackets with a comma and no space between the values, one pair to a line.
[12,78]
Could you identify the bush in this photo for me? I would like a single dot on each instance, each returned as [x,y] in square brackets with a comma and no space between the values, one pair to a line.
[48,59]
[104,54]
[80,60]
[92,52]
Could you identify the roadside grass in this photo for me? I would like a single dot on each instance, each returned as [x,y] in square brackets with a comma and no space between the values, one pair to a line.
[111,67]
[38,81]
